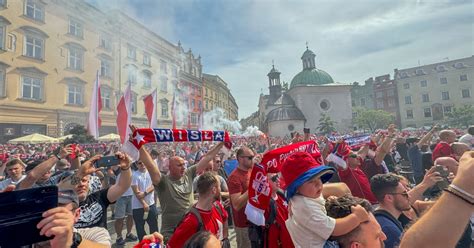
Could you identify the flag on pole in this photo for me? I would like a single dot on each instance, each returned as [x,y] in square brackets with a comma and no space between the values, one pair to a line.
[174,109]
[94,121]
[150,108]
[124,115]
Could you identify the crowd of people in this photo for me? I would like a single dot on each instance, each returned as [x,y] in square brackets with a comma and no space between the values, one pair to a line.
[396,189]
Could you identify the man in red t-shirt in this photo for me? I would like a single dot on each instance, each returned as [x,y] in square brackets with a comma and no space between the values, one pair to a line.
[238,183]
[212,215]
[443,148]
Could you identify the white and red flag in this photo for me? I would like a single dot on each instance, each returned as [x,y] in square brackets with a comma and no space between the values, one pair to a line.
[94,121]
[124,115]
[151,108]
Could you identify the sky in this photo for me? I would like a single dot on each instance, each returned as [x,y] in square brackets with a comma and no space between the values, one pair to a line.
[352,40]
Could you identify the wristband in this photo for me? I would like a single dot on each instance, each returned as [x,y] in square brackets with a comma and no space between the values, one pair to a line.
[461,191]
[57,156]
[454,193]
[124,169]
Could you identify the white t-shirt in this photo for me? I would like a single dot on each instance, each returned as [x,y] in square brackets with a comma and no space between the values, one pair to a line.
[467,139]
[129,191]
[143,181]
[309,225]
[9,181]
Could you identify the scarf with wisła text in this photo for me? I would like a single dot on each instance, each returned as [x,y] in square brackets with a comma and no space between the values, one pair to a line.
[259,190]
[143,136]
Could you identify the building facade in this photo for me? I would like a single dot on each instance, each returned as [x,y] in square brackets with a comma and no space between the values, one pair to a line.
[51,52]
[386,96]
[427,93]
[363,95]
[217,95]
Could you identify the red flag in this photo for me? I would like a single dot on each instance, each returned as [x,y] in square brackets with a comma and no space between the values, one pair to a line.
[124,114]
[94,121]
[150,108]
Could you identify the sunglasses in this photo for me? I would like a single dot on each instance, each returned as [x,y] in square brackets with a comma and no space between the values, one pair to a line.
[353,155]
[275,178]
[405,194]
[249,157]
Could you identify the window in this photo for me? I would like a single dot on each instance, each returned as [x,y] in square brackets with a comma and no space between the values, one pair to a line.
[104,42]
[164,84]
[105,94]
[407,99]
[391,102]
[131,52]
[74,93]
[459,65]
[134,103]
[425,97]
[2,82]
[105,68]
[379,94]
[447,109]
[443,80]
[390,92]
[132,74]
[419,72]
[354,115]
[146,59]
[463,77]
[75,58]
[32,88]
[163,66]
[380,104]
[75,28]
[207,104]
[146,79]
[164,108]
[427,112]
[466,93]
[33,47]
[353,101]
[199,105]
[445,95]
[34,10]
[206,91]
[362,102]
[409,114]
[174,71]
[440,68]
[423,83]
[194,119]
[3,30]
[406,86]
[3,3]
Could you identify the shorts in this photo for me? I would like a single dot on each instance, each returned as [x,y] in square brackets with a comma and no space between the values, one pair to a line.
[123,207]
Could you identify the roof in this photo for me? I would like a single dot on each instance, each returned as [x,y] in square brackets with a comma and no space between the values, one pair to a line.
[285,113]
[284,99]
[311,77]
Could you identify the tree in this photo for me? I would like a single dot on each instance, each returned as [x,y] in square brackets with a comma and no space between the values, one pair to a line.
[79,136]
[462,116]
[372,119]
[326,125]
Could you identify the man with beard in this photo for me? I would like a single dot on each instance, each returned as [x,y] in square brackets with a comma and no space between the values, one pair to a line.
[394,199]
[207,214]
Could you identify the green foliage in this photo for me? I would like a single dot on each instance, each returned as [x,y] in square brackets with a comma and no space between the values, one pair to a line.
[326,125]
[462,116]
[372,119]
[79,136]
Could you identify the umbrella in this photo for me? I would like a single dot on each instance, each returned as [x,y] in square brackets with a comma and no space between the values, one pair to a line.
[109,137]
[63,138]
[34,139]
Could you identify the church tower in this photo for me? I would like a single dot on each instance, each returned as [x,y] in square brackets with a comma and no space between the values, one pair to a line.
[274,84]
[308,59]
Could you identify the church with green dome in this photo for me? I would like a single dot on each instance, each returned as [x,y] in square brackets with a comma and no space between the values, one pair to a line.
[311,93]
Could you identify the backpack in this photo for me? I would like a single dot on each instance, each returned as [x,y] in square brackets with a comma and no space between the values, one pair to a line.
[258,234]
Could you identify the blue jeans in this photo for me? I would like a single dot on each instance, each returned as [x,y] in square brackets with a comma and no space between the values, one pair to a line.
[140,222]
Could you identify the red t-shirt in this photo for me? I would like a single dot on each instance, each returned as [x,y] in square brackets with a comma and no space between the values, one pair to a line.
[278,235]
[212,221]
[442,149]
[238,182]
[358,183]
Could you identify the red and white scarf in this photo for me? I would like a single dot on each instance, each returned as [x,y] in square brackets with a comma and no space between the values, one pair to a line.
[143,136]
[259,190]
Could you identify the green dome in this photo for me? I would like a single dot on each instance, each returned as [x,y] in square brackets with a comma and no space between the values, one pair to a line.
[311,77]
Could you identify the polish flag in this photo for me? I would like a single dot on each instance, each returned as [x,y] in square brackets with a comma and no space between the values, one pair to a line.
[124,115]
[150,108]
[94,121]
[174,110]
